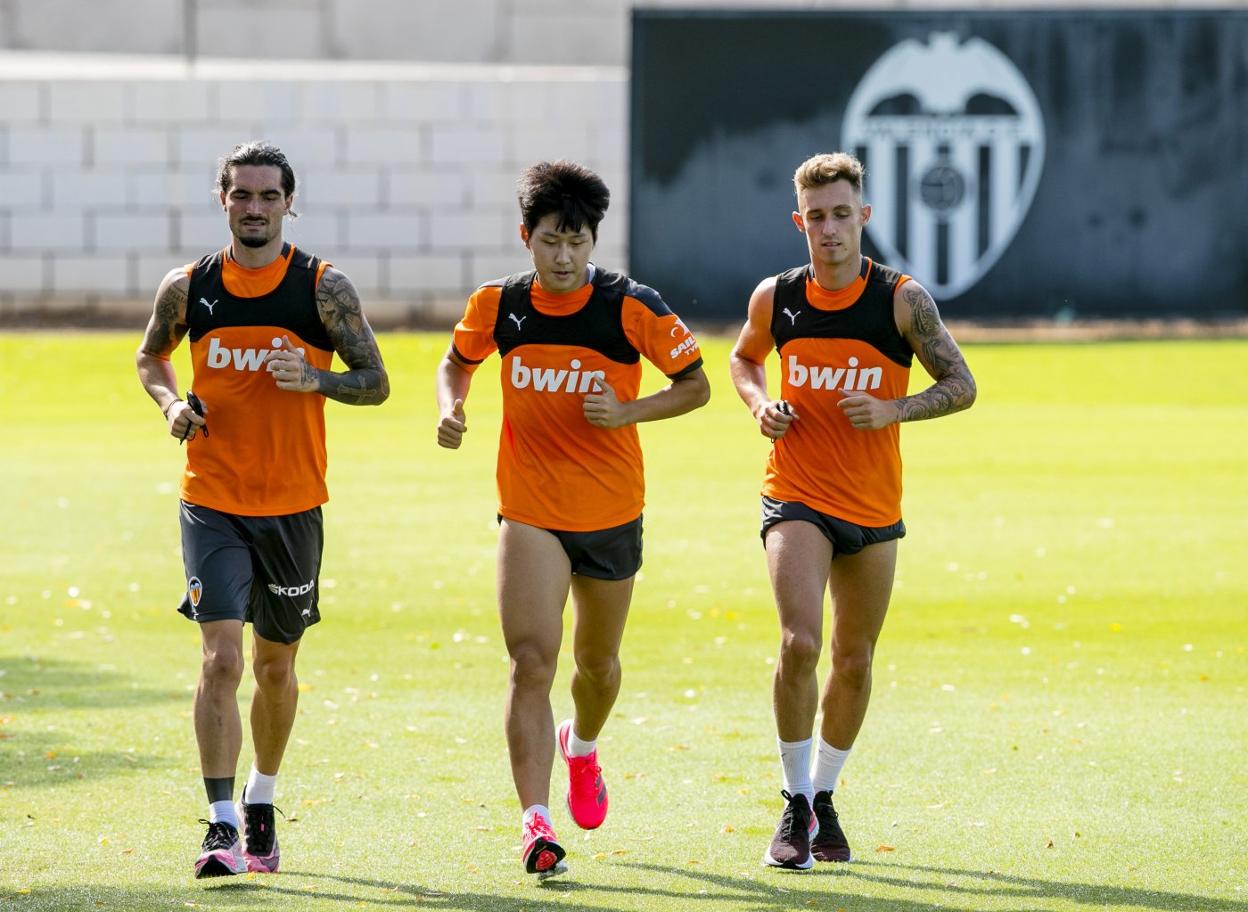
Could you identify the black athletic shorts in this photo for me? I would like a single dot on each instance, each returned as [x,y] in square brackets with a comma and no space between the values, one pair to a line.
[263,570]
[846,537]
[606,554]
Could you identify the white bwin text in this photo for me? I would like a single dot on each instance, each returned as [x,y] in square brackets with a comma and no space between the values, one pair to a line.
[831,378]
[244,359]
[555,380]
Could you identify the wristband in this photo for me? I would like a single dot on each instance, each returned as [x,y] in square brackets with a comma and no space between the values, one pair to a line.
[166,409]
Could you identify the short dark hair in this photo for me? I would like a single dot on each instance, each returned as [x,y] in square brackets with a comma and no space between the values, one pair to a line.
[255,153]
[577,194]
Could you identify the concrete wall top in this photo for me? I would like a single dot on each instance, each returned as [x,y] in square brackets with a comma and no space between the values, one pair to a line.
[444,31]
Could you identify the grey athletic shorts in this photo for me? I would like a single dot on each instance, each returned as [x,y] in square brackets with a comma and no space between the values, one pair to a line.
[263,570]
[846,537]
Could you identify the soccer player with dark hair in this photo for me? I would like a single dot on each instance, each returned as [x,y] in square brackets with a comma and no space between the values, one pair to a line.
[570,336]
[263,321]
[847,330]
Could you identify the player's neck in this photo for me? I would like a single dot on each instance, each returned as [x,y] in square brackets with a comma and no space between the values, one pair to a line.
[842,275]
[256,257]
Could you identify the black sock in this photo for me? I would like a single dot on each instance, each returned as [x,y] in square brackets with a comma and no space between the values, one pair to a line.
[219,789]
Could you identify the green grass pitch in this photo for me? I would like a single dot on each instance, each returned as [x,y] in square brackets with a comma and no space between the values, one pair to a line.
[1060,716]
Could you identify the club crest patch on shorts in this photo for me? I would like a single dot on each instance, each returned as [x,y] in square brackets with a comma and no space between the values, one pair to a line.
[194,591]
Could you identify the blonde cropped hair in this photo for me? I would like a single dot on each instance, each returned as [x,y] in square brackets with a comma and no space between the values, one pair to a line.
[827,168]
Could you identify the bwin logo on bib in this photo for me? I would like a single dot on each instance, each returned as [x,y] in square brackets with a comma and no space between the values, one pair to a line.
[952,139]
[569,379]
[243,359]
[845,379]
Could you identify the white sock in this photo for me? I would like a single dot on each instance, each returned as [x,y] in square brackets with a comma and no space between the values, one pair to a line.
[534,810]
[577,747]
[259,788]
[795,758]
[223,812]
[828,766]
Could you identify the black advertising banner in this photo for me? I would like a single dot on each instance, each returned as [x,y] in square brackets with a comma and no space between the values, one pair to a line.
[1022,164]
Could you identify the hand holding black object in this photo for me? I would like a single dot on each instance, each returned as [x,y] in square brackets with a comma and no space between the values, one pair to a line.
[198,408]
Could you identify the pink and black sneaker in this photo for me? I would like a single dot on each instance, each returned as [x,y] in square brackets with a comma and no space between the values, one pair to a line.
[221,854]
[259,836]
[542,854]
[587,793]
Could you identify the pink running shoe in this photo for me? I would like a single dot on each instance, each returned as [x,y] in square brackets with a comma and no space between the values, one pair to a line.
[221,854]
[542,853]
[587,793]
[259,836]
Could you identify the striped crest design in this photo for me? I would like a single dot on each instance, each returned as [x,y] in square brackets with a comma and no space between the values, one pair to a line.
[952,139]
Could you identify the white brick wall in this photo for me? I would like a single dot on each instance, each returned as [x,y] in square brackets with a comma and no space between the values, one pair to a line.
[407,173]
[388,231]
[428,272]
[22,191]
[173,101]
[22,273]
[128,145]
[21,101]
[73,191]
[46,231]
[399,146]
[439,189]
[130,232]
[79,101]
[41,145]
[104,274]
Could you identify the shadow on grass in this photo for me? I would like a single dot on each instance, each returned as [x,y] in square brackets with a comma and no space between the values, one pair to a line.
[42,685]
[402,895]
[272,892]
[994,883]
[706,890]
[810,888]
[38,688]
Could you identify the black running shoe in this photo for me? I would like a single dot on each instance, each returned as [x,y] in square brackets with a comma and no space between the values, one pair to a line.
[790,847]
[221,854]
[830,844]
[259,836]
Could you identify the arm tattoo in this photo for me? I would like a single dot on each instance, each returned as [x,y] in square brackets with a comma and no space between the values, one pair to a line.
[954,389]
[365,382]
[168,323]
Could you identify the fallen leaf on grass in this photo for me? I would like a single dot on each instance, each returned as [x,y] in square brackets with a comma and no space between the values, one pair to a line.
[1049,844]
[885,847]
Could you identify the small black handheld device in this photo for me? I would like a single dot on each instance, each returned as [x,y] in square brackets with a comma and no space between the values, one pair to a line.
[198,408]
